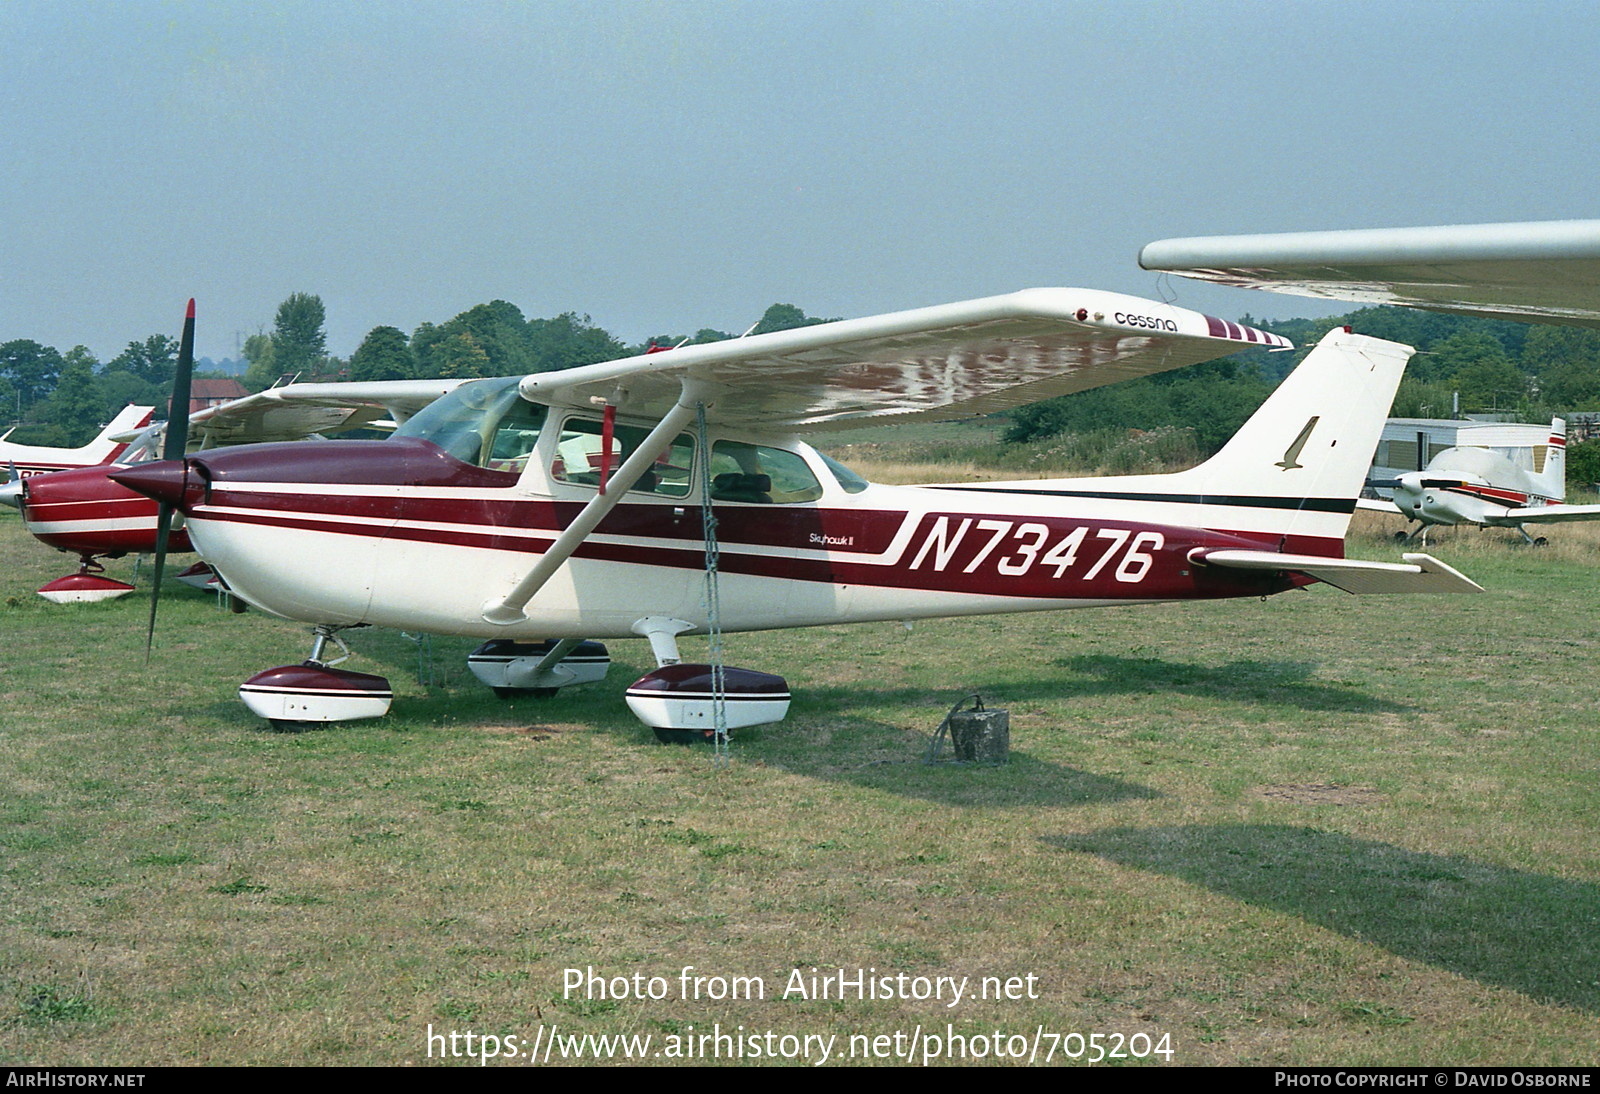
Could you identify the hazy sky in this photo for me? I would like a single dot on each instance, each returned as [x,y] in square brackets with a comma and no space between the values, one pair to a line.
[667,166]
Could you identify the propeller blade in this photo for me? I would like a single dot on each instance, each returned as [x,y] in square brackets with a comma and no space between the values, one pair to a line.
[177,441]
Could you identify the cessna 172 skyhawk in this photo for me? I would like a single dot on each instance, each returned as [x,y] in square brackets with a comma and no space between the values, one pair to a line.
[540,511]
[1468,485]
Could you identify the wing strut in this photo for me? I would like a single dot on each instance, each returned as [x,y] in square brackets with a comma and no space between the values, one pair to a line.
[507,611]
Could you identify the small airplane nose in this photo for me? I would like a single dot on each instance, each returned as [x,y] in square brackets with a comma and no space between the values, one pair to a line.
[164,480]
[11,494]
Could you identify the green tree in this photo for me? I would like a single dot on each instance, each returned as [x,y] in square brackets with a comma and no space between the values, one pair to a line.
[298,342]
[1583,464]
[1212,399]
[1446,358]
[118,389]
[785,317]
[570,340]
[75,405]
[1565,363]
[154,360]
[384,354]
[459,356]
[31,368]
[263,367]
[1476,364]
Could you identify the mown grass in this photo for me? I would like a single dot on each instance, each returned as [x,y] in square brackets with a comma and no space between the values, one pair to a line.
[1318,829]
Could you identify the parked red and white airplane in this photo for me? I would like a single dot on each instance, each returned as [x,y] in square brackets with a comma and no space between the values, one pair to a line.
[128,438]
[669,494]
[82,511]
[1469,485]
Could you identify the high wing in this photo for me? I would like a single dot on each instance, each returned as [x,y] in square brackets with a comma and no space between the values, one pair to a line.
[1536,272]
[300,410]
[1379,505]
[950,361]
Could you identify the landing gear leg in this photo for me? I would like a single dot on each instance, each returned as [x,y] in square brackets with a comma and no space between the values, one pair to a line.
[539,669]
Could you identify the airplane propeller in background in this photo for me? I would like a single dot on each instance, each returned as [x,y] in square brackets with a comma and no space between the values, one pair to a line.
[177,442]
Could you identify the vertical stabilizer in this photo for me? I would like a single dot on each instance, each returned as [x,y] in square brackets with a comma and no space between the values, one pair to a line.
[1552,481]
[103,449]
[1314,438]
[1291,475]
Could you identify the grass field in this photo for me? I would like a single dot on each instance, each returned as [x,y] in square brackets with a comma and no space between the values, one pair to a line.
[1318,829]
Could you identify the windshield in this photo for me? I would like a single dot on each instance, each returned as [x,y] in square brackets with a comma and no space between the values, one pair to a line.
[485,423]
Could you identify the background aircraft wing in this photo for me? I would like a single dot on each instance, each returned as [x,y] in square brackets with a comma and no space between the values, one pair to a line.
[950,361]
[1418,574]
[1552,514]
[1538,272]
[295,411]
[1378,505]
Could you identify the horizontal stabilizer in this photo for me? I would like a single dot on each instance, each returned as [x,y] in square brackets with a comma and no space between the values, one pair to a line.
[1418,574]
[1552,514]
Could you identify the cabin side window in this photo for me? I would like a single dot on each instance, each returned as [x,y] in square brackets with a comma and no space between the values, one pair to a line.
[757,473]
[580,452]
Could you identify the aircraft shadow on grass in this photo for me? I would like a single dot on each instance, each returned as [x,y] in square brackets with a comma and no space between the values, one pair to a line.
[1276,683]
[826,737]
[1535,934]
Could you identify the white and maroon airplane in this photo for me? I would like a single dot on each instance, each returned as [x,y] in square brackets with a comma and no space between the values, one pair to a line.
[98,530]
[541,511]
[81,511]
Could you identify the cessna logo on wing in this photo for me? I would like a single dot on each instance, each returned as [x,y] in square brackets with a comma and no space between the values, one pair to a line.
[1128,318]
